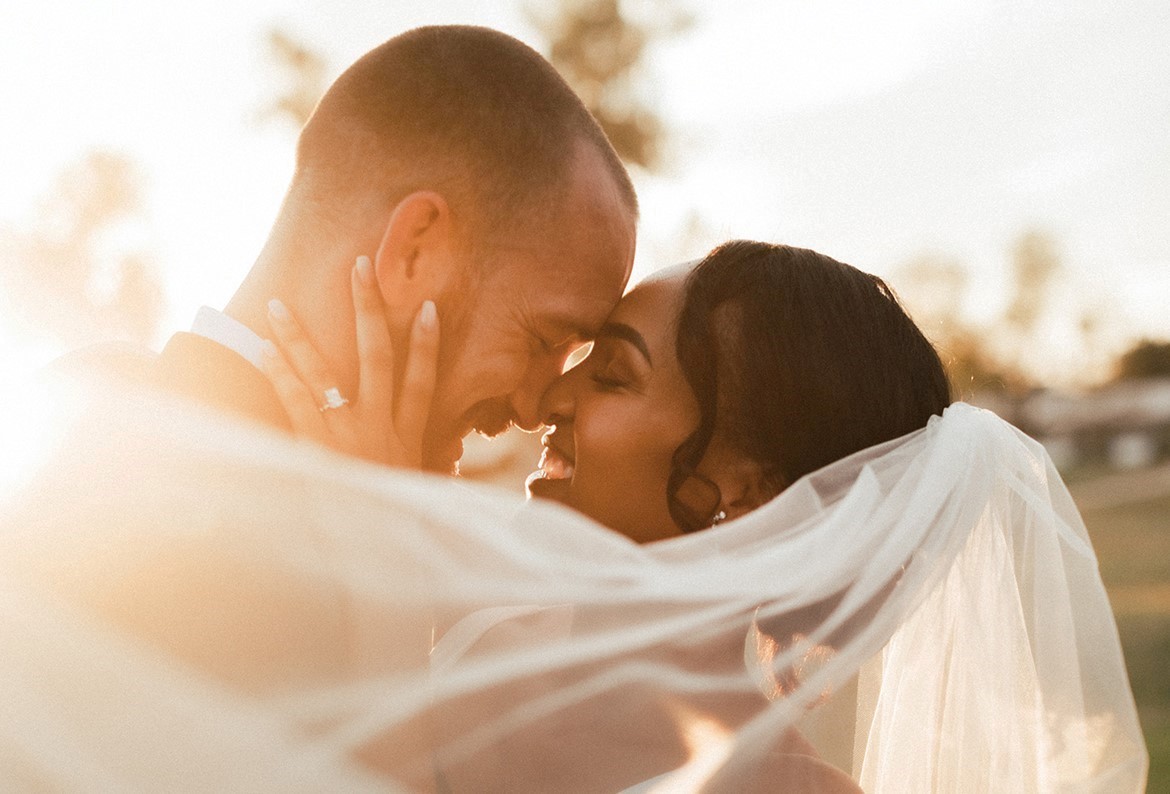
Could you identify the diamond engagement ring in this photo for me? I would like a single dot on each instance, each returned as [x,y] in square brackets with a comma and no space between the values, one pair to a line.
[333,399]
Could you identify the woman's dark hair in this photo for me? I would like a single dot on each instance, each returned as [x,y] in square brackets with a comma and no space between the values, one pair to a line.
[796,360]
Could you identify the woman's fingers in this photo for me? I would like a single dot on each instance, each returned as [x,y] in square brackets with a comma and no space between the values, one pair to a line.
[375,351]
[298,401]
[418,381]
[382,424]
[298,350]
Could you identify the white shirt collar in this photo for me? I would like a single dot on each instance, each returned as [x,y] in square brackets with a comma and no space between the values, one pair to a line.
[232,334]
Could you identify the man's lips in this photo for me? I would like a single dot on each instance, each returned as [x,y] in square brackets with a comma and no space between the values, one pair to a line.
[446,458]
[489,418]
[486,421]
[491,427]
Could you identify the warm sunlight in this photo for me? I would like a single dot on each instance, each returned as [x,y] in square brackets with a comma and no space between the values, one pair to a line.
[876,136]
[34,414]
[338,506]
[708,744]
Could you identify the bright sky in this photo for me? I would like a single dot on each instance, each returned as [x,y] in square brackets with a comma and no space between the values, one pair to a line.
[874,132]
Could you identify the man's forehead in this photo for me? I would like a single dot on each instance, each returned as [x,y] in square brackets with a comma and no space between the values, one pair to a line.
[573,291]
[575,265]
[593,232]
[581,321]
[556,269]
[563,300]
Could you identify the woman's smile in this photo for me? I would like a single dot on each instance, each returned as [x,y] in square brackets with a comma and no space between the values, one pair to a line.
[618,416]
[555,464]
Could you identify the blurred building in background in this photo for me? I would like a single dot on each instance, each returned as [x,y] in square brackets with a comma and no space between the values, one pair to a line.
[1121,426]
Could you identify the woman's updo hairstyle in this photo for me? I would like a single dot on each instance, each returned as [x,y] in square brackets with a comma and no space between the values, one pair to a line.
[796,360]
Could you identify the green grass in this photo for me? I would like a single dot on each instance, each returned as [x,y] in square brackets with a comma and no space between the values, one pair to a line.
[1133,548]
[1133,543]
[1157,730]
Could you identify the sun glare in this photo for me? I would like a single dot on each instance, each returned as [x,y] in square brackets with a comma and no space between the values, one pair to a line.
[33,420]
[709,745]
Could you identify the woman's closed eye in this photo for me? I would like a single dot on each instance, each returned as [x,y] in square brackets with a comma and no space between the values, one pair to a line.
[607,382]
[609,372]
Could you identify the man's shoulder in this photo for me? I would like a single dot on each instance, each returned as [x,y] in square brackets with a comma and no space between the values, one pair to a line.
[109,360]
[193,366]
[190,366]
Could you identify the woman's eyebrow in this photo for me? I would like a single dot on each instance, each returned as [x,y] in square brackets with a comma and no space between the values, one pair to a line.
[626,334]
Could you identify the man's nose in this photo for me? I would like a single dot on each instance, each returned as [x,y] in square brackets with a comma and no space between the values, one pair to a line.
[558,404]
[528,399]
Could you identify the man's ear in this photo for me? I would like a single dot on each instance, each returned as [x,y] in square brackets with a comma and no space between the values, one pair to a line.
[415,260]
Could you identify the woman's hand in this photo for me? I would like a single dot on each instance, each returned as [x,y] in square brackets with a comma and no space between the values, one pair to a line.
[373,425]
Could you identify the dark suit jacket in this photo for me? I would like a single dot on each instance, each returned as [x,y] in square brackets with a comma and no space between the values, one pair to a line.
[205,371]
[190,366]
[260,630]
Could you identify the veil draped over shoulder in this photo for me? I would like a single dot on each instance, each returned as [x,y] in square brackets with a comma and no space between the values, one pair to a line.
[192,605]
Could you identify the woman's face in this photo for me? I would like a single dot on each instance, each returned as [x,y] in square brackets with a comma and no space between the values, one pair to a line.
[619,416]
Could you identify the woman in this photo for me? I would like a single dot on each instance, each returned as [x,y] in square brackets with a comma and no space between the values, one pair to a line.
[711,391]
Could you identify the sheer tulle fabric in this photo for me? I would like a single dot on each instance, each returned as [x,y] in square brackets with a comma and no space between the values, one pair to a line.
[193,605]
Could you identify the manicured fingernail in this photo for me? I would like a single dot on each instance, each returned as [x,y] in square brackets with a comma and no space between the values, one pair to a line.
[278,310]
[365,271]
[428,317]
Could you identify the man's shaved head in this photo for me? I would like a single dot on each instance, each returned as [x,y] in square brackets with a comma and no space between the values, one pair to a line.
[466,111]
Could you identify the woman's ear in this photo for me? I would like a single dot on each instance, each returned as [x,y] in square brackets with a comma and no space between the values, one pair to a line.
[743,483]
[415,260]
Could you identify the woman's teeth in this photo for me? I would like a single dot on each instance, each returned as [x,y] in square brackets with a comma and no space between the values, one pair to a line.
[555,467]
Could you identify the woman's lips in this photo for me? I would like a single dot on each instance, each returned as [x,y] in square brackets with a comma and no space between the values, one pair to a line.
[553,478]
[555,465]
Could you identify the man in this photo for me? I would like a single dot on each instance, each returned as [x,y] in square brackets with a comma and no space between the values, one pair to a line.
[468,170]
[474,179]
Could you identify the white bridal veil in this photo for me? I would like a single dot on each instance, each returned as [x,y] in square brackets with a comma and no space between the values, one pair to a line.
[188,605]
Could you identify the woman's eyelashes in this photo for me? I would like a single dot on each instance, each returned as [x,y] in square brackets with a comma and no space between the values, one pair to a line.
[606,382]
[610,374]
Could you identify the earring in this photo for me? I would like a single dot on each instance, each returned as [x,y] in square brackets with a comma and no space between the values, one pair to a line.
[720,516]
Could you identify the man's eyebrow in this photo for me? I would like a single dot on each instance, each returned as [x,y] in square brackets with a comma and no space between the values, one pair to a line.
[626,334]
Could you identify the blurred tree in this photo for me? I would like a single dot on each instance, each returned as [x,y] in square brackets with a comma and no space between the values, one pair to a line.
[974,369]
[933,289]
[600,47]
[1035,265]
[1146,359]
[78,275]
[303,77]
[1054,329]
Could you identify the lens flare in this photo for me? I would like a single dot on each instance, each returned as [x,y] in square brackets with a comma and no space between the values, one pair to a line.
[33,421]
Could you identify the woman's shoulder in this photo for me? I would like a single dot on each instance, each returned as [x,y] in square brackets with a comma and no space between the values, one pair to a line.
[792,766]
[798,774]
